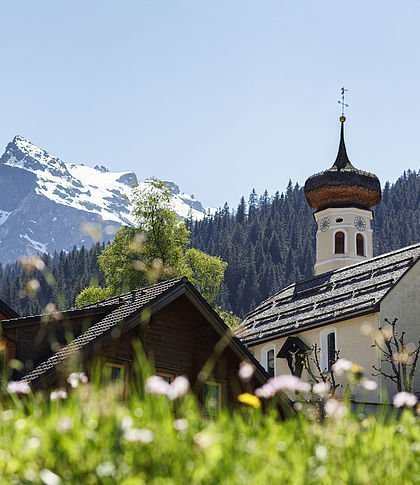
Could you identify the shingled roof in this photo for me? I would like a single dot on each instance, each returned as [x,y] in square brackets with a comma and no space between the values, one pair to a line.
[120,309]
[330,297]
[125,309]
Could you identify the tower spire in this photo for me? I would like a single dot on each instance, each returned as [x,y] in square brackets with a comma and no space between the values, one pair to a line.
[342,159]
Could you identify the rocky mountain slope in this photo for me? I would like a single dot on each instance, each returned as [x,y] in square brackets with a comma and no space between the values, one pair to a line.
[47,204]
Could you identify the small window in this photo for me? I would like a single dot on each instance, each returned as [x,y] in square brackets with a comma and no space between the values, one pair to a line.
[360,245]
[339,220]
[113,373]
[212,398]
[270,362]
[339,242]
[331,349]
[328,345]
[167,376]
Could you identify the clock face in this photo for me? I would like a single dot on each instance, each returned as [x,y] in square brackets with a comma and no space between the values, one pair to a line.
[359,223]
[324,224]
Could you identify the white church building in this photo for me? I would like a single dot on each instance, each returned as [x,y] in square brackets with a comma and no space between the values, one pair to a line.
[351,295]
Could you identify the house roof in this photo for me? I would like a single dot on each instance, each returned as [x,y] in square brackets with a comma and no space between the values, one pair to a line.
[330,297]
[126,308]
[7,310]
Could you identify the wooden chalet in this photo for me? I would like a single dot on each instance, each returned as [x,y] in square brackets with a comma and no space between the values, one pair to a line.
[179,331]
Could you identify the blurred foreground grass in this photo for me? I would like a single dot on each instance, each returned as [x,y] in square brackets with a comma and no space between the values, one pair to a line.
[93,437]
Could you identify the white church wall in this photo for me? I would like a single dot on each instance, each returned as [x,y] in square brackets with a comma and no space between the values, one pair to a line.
[403,302]
[351,341]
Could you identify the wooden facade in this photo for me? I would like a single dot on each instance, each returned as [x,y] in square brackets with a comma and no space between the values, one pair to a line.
[178,331]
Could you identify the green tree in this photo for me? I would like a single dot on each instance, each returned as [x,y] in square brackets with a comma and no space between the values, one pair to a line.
[204,271]
[155,249]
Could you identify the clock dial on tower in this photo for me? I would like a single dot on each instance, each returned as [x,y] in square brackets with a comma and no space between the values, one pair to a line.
[359,223]
[324,224]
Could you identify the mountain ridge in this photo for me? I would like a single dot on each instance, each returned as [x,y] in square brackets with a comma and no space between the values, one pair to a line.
[47,204]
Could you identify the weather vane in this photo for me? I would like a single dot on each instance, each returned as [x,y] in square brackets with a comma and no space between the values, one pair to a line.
[343,104]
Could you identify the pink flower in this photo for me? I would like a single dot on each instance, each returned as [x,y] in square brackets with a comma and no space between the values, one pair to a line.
[404,400]
[178,388]
[282,383]
[18,387]
[157,385]
[369,385]
[58,394]
[342,366]
[76,378]
[246,371]
[321,388]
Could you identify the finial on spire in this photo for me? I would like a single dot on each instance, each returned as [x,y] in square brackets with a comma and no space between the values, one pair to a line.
[343,104]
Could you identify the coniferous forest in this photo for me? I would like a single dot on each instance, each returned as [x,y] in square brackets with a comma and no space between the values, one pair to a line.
[267,241]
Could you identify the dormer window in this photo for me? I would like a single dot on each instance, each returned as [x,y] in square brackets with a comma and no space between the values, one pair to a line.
[360,245]
[339,242]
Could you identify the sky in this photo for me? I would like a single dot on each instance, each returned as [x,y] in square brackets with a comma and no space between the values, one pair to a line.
[219,96]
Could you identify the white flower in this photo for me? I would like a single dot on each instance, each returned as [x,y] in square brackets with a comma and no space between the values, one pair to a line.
[142,435]
[58,394]
[321,388]
[18,387]
[342,366]
[404,399]
[64,425]
[76,378]
[181,424]
[246,371]
[321,453]
[106,469]
[49,478]
[369,385]
[334,409]
[282,383]
[34,443]
[126,423]
[178,388]
[157,385]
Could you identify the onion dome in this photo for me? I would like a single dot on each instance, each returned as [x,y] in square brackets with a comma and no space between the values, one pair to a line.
[343,185]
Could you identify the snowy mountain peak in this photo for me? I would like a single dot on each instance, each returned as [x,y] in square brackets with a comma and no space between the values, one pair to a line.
[45,202]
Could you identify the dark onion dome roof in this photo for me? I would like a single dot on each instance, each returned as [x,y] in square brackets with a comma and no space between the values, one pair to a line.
[343,185]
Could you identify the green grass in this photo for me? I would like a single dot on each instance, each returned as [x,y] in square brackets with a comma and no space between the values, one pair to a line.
[86,439]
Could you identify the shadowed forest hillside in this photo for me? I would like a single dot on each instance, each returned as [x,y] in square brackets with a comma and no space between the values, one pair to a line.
[268,242]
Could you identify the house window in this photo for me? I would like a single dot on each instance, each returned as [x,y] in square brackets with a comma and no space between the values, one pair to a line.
[212,398]
[360,245]
[328,344]
[113,373]
[268,360]
[167,376]
[339,242]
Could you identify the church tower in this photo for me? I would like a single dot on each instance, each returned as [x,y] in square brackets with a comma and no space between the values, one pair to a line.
[342,197]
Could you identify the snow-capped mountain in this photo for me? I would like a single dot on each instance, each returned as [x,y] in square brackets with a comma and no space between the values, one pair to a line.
[47,204]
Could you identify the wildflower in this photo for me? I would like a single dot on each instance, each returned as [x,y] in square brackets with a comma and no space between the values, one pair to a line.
[76,378]
[321,453]
[404,399]
[334,409]
[246,371]
[106,469]
[357,371]
[34,443]
[49,478]
[181,424]
[157,385]
[141,435]
[369,385]
[58,394]
[342,366]
[178,388]
[18,387]
[250,400]
[126,423]
[31,263]
[282,383]
[204,440]
[64,424]
[321,388]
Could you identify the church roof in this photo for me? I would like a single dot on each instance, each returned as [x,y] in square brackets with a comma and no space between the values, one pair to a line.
[330,297]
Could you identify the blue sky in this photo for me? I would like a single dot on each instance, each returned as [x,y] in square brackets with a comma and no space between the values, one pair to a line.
[218,96]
